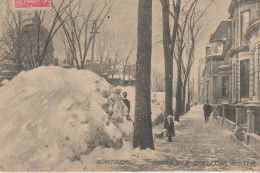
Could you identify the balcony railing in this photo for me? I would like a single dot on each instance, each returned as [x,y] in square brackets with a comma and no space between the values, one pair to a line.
[254,23]
[255,19]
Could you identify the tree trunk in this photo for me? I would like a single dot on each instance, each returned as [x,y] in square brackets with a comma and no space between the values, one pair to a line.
[190,94]
[38,58]
[124,71]
[112,76]
[178,107]
[77,63]
[143,136]
[40,61]
[168,45]
[72,62]
[113,73]
[114,68]
[184,98]
[82,65]
[168,59]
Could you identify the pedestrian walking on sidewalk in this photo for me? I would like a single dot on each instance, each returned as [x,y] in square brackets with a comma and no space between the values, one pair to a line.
[170,128]
[207,111]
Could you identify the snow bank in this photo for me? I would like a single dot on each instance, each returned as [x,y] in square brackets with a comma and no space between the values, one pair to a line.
[52,116]
[157,99]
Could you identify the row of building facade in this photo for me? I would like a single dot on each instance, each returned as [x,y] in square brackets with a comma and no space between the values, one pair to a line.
[230,79]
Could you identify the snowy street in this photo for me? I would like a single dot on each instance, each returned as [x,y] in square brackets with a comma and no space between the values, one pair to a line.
[86,130]
[124,85]
[198,147]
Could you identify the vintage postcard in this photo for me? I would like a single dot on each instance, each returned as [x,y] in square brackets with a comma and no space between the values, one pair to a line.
[129,85]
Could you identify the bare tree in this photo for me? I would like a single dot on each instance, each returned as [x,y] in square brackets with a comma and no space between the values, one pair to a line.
[187,38]
[125,61]
[69,60]
[36,35]
[158,84]
[12,39]
[168,46]
[116,57]
[182,28]
[77,28]
[104,53]
[59,9]
[192,41]
[23,43]
[143,137]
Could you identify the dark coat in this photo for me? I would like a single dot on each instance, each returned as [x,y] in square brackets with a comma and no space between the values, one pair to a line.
[170,129]
[207,110]
[170,126]
[127,103]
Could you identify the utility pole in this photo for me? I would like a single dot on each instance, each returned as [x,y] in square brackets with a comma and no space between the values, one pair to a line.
[93,44]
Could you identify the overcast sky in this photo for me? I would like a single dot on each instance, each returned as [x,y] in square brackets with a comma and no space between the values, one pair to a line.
[122,25]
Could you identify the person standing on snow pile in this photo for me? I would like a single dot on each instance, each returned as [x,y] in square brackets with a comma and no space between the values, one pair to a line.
[170,128]
[127,103]
[207,111]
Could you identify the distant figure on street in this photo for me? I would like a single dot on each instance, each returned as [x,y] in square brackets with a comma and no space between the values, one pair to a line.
[127,103]
[207,111]
[170,128]
[187,107]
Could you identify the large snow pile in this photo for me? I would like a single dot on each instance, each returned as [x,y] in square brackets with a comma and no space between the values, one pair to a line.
[52,116]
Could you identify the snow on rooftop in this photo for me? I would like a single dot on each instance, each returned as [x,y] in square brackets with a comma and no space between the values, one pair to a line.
[5,71]
[121,76]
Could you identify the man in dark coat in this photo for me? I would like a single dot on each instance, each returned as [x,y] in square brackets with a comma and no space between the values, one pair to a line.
[207,111]
[127,103]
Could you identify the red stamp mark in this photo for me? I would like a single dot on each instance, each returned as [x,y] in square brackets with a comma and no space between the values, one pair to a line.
[32,3]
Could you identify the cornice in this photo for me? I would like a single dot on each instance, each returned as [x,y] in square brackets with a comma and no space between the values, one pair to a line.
[236,3]
[254,26]
[233,51]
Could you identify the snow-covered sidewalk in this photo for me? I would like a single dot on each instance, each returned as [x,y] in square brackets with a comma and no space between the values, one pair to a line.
[197,147]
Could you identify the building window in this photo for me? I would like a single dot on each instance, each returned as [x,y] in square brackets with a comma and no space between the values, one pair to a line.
[215,66]
[253,75]
[234,33]
[244,79]
[245,19]
[258,75]
[237,32]
[233,81]
[225,86]
[209,69]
